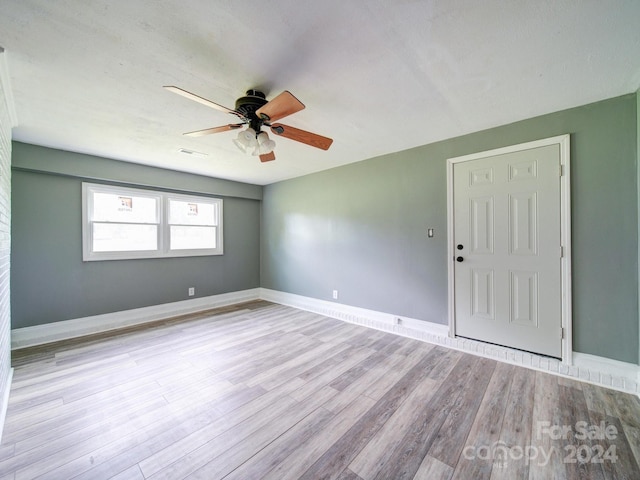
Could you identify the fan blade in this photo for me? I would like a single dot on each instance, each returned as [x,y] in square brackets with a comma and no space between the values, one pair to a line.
[267,157]
[208,131]
[298,135]
[204,101]
[281,106]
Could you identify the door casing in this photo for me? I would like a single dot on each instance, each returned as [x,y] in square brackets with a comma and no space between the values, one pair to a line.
[565,230]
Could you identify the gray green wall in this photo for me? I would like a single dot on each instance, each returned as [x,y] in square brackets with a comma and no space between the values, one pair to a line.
[361,228]
[50,282]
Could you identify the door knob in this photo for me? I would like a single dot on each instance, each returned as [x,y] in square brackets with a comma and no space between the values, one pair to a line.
[459,247]
[459,259]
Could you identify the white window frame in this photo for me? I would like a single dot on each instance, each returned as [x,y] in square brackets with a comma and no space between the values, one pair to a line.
[163,241]
[191,252]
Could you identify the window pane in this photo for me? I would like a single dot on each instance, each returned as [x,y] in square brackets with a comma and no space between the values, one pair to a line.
[189,238]
[109,207]
[123,237]
[192,213]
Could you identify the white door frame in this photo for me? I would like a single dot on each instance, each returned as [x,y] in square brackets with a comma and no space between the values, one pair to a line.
[565,230]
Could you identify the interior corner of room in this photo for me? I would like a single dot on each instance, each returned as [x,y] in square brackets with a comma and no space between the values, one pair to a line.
[363,241]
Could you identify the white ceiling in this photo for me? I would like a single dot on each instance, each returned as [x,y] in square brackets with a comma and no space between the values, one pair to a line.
[376,76]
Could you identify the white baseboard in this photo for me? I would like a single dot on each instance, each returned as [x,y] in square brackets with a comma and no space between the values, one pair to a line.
[78,327]
[587,368]
[603,370]
[360,316]
[5,402]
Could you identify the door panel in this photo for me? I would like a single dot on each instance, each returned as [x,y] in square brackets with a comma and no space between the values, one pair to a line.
[524,298]
[523,223]
[483,294]
[507,288]
[482,225]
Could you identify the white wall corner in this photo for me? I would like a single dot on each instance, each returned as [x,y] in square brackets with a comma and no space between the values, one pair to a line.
[5,86]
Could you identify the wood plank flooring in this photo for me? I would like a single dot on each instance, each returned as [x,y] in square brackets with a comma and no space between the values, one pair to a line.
[263,391]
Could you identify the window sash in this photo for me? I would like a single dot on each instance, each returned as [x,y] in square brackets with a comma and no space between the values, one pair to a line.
[185,212]
[133,237]
[192,237]
[115,207]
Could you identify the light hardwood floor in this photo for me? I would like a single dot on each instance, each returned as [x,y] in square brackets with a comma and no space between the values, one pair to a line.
[263,391]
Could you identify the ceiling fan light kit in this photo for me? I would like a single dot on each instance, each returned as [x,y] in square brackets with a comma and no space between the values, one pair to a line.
[249,139]
[255,111]
[246,140]
[265,144]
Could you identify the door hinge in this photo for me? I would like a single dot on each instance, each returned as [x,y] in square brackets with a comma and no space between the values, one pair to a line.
[562,333]
[561,170]
[561,252]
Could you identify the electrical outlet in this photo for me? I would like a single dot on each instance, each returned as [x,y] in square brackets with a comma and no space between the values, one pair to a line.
[192,291]
[335,294]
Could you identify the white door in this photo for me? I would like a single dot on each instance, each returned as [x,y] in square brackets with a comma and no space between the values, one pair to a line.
[507,249]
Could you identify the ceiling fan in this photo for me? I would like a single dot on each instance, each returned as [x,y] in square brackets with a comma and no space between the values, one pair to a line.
[255,111]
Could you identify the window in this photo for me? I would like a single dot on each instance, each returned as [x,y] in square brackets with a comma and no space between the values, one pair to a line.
[192,224]
[122,223]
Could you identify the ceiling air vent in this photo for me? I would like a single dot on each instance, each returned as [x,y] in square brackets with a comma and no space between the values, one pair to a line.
[192,152]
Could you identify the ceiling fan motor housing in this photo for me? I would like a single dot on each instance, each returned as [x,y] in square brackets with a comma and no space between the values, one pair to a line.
[247,106]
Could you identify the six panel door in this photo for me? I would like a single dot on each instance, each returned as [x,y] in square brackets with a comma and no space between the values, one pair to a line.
[507,274]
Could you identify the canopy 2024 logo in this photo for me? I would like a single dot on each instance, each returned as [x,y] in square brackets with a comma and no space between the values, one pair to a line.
[591,451]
